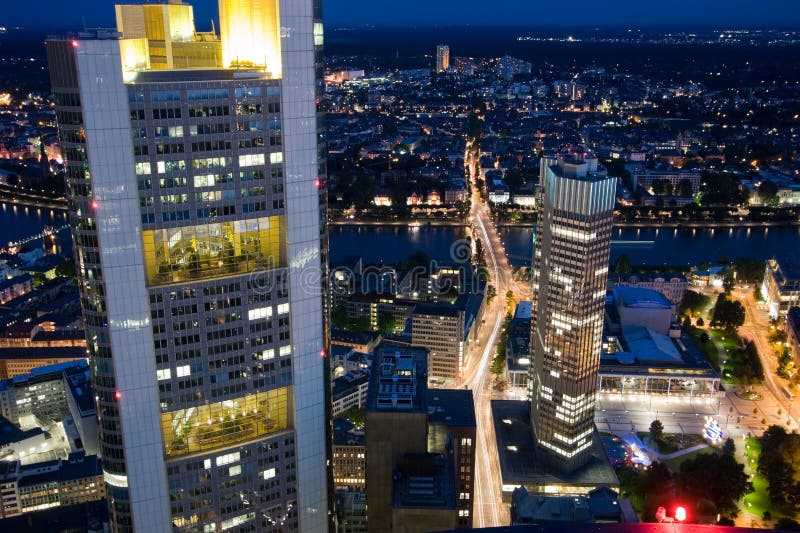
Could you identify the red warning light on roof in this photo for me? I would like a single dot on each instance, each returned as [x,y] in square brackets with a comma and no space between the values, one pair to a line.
[74,43]
[94,204]
[117,395]
[322,354]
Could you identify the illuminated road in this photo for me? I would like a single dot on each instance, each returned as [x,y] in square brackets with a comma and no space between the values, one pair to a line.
[779,408]
[488,507]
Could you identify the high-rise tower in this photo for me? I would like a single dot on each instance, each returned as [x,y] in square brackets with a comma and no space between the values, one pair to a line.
[442,58]
[570,259]
[194,184]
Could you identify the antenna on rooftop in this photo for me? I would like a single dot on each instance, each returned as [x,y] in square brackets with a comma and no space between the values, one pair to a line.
[84,23]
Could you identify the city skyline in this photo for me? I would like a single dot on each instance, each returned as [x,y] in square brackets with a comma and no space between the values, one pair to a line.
[583,14]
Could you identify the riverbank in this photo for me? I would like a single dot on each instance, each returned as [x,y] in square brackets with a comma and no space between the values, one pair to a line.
[25,198]
[687,224]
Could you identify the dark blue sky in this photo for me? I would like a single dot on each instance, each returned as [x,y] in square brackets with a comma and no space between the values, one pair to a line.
[673,13]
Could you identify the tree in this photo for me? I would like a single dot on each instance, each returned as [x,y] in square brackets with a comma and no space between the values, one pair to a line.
[693,303]
[729,447]
[728,314]
[687,322]
[685,188]
[768,192]
[718,478]
[623,265]
[656,431]
[386,323]
[339,317]
[491,292]
[701,322]
[780,452]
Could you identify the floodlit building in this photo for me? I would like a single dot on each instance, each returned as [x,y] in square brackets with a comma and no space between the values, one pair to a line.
[198,219]
[442,58]
[781,286]
[570,268]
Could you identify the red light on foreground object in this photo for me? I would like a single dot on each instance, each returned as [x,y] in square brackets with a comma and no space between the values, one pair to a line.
[322,353]
[74,43]
[118,395]
[94,204]
[680,514]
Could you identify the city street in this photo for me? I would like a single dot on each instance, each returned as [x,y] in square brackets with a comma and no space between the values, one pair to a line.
[488,507]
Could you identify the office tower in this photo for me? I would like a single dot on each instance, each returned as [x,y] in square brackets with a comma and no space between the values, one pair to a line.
[571,255]
[420,447]
[199,240]
[442,58]
[440,329]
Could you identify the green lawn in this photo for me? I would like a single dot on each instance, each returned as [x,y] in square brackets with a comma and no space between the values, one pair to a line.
[758,501]
[675,464]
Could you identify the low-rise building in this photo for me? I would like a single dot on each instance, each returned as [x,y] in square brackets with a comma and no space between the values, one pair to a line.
[351,512]
[671,285]
[600,505]
[63,482]
[644,307]
[349,391]
[518,346]
[349,456]
[781,286]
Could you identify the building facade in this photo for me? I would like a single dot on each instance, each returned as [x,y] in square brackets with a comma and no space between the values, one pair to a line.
[570,268]
[194,185]
[440,329]
[781,286]
[442,58]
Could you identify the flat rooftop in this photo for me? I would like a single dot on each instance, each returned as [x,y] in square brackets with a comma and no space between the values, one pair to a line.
[519,467]
[639,298]
[451,407]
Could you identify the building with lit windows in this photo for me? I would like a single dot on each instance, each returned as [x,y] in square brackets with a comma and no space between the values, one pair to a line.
[198,217]
[570,268]
[442,58]
[781,286]
[419,478]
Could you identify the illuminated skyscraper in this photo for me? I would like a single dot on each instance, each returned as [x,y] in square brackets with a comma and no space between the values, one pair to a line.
[195,192]
[442,58]
[571,255]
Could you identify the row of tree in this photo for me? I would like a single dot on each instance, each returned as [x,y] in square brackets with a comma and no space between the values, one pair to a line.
[713,482]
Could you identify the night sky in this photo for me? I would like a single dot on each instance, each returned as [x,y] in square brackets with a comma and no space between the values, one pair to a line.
[342,13]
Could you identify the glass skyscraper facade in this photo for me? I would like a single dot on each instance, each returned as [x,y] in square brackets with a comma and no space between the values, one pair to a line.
[195,174]
[570,268]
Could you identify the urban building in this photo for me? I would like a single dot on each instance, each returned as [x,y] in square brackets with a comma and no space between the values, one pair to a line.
[63,482]
[440,329]
[646,178]
[518,348]
[793,332]
[781,286]
[673,285]
[349,391]
[600,505]
[442,58]
[570,268]
[195,238]
[647,308]
[418,479]
[351,512]
[349,463]
[21,360]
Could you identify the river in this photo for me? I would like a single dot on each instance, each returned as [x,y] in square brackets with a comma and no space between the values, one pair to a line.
[391,244]
[650,246]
